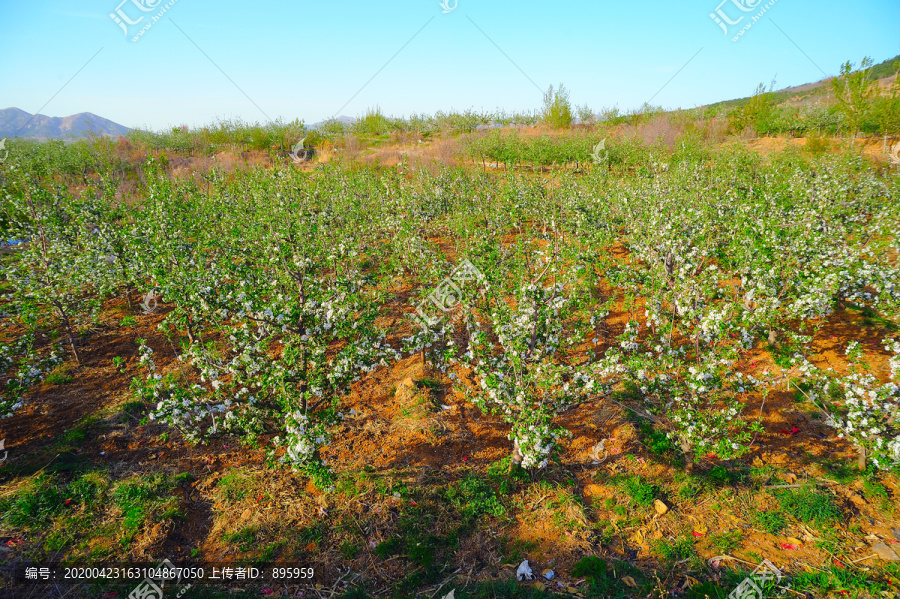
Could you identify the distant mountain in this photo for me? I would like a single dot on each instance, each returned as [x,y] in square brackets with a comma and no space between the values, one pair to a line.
[18,123]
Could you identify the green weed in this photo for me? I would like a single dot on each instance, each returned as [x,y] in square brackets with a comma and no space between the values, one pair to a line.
[809,505]
[641,492]
[771,522]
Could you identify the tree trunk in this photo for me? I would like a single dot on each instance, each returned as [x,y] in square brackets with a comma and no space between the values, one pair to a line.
[861,458]
[688,452]
[71,336]
[515,460]
[190,329]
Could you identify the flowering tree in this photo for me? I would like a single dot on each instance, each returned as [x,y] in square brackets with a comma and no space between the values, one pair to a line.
[63,269]
[22,361]
[280,322]
[865,411]
[516,357]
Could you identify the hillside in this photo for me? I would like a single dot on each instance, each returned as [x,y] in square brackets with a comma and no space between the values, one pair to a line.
[807,92]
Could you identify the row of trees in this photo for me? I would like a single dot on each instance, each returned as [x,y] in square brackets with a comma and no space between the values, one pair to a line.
[278,285]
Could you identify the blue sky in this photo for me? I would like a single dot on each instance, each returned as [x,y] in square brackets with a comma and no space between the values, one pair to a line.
[292,59]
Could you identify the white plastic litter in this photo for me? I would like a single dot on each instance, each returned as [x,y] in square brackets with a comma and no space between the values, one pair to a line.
[450,595]
[444,407]
[524,571]
[549,574]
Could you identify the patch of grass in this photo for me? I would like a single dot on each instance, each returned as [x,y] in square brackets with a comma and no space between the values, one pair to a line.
[349,550]
[70,463]
[312,534]
[782,353]
[691,486]
[809,505]
[139,498]
[833,580]
[875,491]
[831,540]
[506,480]
[674,551]
[387,486]
[656,441]
[771,522]
[514,550]
[385,549]
[474,498]
[90,514]
[567,510]
[267,556]
[594,570]
[420,551]
[421,542]
[35,505]
[417,539]
[761,474]
[720,475]
[353,484]
[89,490]
[640,490]
[606,581]
[505,590]
[431,384]
[842,471]
[66,532]
[58,378]
[726,542]
[604,533]
[78,433]
[236,486]
[244,538]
